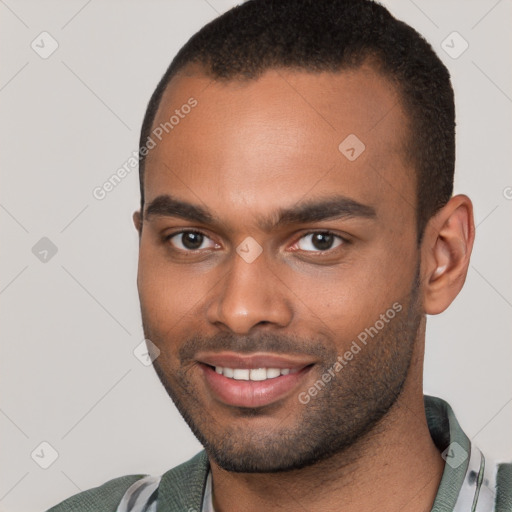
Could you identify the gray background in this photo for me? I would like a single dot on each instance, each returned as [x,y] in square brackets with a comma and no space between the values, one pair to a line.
[70,324]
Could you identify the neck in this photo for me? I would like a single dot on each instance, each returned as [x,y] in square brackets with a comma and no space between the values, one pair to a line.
[394,467]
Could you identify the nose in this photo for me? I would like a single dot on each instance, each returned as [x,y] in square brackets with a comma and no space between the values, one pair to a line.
[250,294]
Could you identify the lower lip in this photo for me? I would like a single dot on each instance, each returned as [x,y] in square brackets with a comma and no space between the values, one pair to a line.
[249,393]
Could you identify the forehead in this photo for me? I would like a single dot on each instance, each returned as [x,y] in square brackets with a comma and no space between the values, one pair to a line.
[284,136]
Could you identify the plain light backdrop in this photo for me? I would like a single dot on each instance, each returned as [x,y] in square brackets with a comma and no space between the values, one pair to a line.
[70,320]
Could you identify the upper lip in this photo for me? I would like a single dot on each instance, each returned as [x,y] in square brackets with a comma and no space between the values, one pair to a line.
[252,361]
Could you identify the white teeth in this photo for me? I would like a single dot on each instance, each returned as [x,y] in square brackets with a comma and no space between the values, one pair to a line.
[240,374]
[273,372]
[256,374]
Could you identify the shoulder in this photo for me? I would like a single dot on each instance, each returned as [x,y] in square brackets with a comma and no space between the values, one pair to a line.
[504,487]
[182,488]
[104,498]
[182,484]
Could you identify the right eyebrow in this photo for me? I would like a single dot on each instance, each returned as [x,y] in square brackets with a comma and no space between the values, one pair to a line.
[168,206]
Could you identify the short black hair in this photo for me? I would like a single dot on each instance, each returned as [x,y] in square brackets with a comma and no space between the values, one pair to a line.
[334,35]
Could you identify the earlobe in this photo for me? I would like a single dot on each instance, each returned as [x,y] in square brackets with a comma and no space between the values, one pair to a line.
[446,251]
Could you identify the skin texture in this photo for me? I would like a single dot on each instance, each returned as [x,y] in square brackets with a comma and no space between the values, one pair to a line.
[248,149]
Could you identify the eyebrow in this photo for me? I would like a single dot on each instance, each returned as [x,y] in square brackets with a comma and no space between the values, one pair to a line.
[330,208]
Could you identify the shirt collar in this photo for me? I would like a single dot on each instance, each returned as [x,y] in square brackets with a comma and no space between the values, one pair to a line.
[469,479]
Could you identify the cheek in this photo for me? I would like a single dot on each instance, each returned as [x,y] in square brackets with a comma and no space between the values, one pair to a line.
[166,305]
[166,293]
[355,298]
[346,310]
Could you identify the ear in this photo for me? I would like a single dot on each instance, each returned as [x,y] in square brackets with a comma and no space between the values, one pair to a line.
[137,220]
[445,253]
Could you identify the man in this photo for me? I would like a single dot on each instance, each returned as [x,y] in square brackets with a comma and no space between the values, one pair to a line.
[296,226]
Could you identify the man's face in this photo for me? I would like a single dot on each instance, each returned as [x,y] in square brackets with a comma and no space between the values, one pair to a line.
[263,283]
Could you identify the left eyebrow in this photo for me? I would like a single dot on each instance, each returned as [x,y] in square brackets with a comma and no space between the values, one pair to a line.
[330,208]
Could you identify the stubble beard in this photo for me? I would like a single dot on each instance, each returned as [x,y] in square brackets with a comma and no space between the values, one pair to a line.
[342,414]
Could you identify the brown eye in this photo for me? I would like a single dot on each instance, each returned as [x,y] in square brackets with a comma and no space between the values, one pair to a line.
[320,241]
[189,240]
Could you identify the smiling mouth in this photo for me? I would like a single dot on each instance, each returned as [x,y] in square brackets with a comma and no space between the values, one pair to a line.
[254,374]
[257,386]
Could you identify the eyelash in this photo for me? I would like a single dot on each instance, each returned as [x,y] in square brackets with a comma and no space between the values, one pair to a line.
[345,241]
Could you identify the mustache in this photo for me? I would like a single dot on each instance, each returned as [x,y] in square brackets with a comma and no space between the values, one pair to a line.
[261,342]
